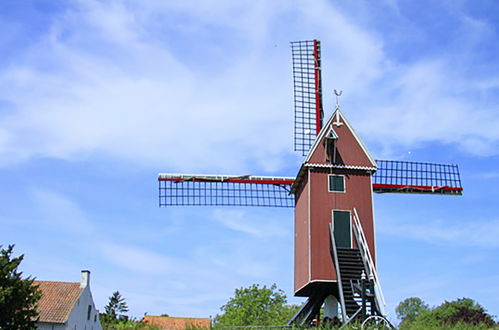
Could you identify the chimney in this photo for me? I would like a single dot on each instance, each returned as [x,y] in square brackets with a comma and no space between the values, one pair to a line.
[85,278]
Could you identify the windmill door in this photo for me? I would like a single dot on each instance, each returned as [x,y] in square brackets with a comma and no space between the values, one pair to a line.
[342,229]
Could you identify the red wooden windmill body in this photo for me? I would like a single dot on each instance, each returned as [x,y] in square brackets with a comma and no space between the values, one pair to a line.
[332,195]
[338,156]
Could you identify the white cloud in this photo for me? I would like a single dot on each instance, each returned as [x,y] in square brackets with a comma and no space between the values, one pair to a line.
[127,80]
[426,109]
[132,98]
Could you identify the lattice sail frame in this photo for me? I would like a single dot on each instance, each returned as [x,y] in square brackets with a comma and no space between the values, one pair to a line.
[417,177]
[307,88]
[224,190]
[247,190]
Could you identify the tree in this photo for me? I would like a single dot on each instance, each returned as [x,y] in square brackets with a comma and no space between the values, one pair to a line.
[462,313]
[18,296]
[410,308]
[464,310]
[115,309]
[256,306]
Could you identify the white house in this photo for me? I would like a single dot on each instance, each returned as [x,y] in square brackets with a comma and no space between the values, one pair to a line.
[67,305]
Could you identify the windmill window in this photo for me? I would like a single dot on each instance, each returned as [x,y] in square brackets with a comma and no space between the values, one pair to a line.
[336,183]
[330,145]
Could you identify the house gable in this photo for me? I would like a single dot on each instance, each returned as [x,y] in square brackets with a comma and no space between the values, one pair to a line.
[67,305]
[57,300]
[338,144]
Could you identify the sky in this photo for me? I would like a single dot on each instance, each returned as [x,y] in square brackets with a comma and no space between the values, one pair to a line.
[98,97]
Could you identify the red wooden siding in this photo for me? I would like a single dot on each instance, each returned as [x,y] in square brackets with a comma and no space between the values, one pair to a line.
[358,195]
[315,205]
[349,151]
[302,238]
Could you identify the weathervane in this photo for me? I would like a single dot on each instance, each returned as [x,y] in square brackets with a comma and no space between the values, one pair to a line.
[337,119]
[338,94]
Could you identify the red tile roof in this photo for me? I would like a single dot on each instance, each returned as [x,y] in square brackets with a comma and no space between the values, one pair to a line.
[177,323]
[57,301]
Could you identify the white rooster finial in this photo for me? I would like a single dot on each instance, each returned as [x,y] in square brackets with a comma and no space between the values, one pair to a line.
[337,119]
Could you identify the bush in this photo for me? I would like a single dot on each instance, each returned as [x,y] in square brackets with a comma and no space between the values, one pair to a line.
[462,313]
[129,325]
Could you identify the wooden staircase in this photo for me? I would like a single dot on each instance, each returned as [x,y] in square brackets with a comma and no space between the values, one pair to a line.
[358,285]
[351,267]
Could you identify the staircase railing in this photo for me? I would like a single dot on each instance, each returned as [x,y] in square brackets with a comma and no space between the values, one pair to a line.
[368,261]
[338,275]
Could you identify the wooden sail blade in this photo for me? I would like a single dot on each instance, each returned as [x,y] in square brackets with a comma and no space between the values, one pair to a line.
[416,177]
[224,190]
[266,191]
[307,93]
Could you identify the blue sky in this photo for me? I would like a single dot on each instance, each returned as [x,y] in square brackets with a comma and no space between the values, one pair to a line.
[97,97]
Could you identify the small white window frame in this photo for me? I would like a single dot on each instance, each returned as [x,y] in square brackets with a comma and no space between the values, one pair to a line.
[329,184]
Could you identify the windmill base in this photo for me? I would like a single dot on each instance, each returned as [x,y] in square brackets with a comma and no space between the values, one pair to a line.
[312,288]
[316,293]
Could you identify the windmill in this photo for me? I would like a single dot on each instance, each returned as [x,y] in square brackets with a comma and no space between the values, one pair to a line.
[334,250]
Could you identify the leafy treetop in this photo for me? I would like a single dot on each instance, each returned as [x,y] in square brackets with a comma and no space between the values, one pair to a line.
[410,308]
[256,306]
[462,313]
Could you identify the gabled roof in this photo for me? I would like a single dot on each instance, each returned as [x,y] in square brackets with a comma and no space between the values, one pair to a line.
[177,323]
[57,301]
[326,129]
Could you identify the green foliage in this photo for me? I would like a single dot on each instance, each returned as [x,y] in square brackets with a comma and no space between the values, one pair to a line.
[462,313]
[115,310]
[116,306]
[458,326]
[18,296]
[128,325]
[256,306]
[410,308]
[470,316]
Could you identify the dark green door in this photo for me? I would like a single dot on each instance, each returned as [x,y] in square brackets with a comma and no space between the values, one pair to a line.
[341,226]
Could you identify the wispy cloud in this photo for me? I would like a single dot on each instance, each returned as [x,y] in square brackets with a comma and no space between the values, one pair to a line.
[106,80]
[159,277]
[255,226]
[487,175]
[61,213]
[479,233]
[141,260]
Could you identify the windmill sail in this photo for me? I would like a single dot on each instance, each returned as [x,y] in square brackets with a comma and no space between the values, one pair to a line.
[307,93]
[417,177]
[246,190]
[224,190]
